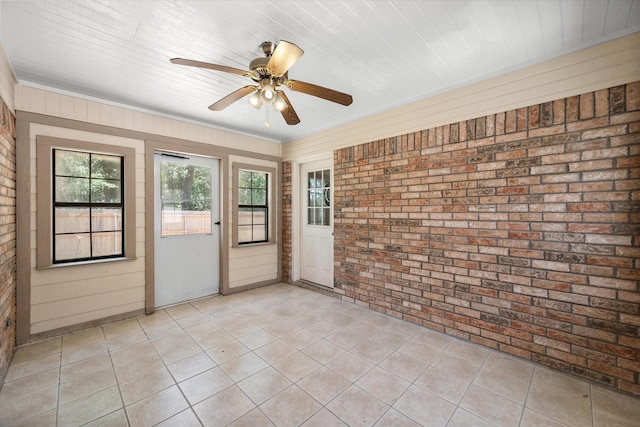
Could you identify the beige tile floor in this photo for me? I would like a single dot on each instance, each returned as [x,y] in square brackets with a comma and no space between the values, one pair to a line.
[287,356]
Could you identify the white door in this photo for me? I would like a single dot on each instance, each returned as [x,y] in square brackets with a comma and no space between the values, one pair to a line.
[316,258]
[187,235]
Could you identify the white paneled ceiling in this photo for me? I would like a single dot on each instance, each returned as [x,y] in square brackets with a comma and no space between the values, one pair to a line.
[384,53]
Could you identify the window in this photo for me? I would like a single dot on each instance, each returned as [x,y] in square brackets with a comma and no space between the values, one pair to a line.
[252,217]
[253,210]
[91,213]
[87,206]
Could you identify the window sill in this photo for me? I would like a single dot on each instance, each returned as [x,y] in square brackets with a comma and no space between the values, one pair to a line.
[251,245]
[83,263]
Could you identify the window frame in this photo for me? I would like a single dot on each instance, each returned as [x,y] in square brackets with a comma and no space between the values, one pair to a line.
[271,173]
[89,205]
[45,147]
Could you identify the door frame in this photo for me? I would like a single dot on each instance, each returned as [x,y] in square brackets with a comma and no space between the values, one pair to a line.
[296,209]
[193,149]
[202,241]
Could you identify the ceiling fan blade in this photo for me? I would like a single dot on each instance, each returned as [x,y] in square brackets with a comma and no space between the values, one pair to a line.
[289,114]
[192,63]
[285,55]
[232,97]
[320,92]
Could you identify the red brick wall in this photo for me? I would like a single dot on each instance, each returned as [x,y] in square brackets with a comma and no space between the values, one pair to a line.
[519,231]
[287,217]
[7,238]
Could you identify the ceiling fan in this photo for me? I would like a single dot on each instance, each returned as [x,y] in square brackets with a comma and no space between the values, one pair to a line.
[270,73]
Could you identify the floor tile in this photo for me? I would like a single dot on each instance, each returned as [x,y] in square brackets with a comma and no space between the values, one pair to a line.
[84,367]
[559,382]
[82,338]
[403,366]
[422,352]
[534,419]
[373,351]
[323,350]
[383,384]
[138,368]
[292,407]
[462,369]
[133,352]
[257,339]
[114,419]
[118,342]
[322,328]
[346,338]
[190,366]
[386,337]
[90,407]
[571,409]
[300,338]
[205,385]
[27,385]
[274,351]
[47,418]
[243,366]
[75,354]
[356,407]
[462,418]
[395,419]
[123,327]
[350,366]
[13,410]
[207,334]
[505,376]
[611,408]
[442,384]
[324,385]
[253,418]
[157,407]
[296,366]
[84,386]
[140,388]
[175,347]
[37,350]
[227,351]
[216,410]
[424,408]
[324,418]
[240,328]
[491,407]
[159,317]
[263,385]
[32,367]
[186,418]
[432,338]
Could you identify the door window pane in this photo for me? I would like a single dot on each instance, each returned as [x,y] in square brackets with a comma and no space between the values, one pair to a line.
[185,199]
[319,198]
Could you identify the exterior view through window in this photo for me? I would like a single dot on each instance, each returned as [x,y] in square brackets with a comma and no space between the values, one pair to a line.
[319,198]
[253,207]
[88,208]
[186,199]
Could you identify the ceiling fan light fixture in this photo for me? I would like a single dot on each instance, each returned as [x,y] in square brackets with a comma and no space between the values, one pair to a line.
[268,93]
[278,103]
[255,100]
